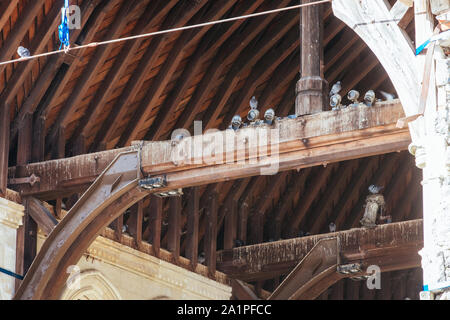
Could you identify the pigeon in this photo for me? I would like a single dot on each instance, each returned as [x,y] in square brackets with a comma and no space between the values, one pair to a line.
[236,122]
[201,258]
[124,228]
[23,52]
[332,227]
[269,116]
[388,96]
[302,233]
[253,103]
[353,96]
[336,88]
[369,98]
[375,189]
[335,102]
[238,243]
[253,115]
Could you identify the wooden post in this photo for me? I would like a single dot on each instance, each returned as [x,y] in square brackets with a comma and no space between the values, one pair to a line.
[26,242]
[242,227]
[38,145]
[312,88]
[4,147]
[211,234]
[174,232]
[230,224]
[192,226]
[155,223]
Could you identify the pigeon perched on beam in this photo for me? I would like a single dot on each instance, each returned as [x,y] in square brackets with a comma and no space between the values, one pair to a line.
[23,52]
[374,189]
[236,123]
[369,98]
[332,227]
[201,258]
[335,102]
[353,96]
[269,116]
[253,114]
[336,88]
[387,96]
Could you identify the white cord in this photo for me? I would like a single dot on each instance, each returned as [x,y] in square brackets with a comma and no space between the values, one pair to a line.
[95,44]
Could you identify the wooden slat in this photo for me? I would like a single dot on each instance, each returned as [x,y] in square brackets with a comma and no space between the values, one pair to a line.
[205,50]
[192,226]
[37,45]
[183,13]
[170,65]
[174,232]
[270,62]
[4,147]
[307,200]
[211,235]
[230,227]
[49,72]
[19,30]
[144,25]
[40,214]
[91,70]
[155,223]
[231,51]
[7,8]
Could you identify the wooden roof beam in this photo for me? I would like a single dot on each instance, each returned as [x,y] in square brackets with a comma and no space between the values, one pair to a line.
[268,64]
[39,42]
[19,30]
[206,49]
[230,52]
[249,58]
[392,246]
[337,185]
[349,134]
[7,9]
[91,70]
[166,72]
[50,71]
[181,15]
[130,48]
[296,186]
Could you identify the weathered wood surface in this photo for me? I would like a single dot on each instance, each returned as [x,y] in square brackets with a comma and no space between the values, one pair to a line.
[373,22]
[392,246]
[322,257]
[311,140]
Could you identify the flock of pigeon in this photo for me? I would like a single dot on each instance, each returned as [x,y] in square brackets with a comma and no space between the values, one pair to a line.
[335,103]
[353,96]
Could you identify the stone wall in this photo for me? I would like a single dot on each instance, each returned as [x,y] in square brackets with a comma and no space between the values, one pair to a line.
[11,215]
[110,270]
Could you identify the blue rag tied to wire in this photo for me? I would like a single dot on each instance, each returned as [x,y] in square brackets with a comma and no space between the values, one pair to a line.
[63,28]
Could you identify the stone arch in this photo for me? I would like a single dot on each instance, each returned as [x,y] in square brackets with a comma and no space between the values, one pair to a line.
[93,286]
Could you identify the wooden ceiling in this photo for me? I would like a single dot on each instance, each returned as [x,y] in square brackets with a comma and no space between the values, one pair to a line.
[105,97]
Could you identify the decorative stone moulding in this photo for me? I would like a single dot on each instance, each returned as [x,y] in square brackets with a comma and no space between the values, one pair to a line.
[11,213]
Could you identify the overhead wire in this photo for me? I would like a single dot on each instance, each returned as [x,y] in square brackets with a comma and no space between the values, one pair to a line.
[155,33]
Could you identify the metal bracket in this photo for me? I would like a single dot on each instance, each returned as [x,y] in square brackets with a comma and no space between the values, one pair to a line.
[151,183]
[32,180]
